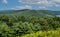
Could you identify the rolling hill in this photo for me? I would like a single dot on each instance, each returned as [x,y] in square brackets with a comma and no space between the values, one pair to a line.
[28,13]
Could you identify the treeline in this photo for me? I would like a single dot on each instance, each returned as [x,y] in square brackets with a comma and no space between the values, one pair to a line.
[12,26]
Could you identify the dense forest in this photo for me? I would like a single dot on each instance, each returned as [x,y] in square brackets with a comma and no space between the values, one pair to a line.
[33,26]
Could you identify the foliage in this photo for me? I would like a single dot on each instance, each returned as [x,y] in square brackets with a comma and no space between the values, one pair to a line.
[51,33]
[12,26]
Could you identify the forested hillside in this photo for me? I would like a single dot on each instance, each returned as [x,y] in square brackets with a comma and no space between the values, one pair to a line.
[29,13]
[29,23]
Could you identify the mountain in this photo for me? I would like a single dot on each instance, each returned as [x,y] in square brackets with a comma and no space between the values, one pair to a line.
[28,13]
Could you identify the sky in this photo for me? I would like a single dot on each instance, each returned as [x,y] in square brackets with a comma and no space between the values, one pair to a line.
[30,4]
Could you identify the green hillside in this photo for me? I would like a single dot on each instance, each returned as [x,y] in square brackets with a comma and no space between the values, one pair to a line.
[29,23]
[29,13]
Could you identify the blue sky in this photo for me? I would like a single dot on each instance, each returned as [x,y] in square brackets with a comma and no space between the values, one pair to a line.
[30,4]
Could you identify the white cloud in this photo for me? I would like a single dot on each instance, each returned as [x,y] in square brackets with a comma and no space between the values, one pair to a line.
[33,1]
[22,7]
[58,1]
[42,2]
[43,7]
[5,1]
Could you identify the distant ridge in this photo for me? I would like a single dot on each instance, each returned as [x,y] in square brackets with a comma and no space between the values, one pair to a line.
[28,13]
